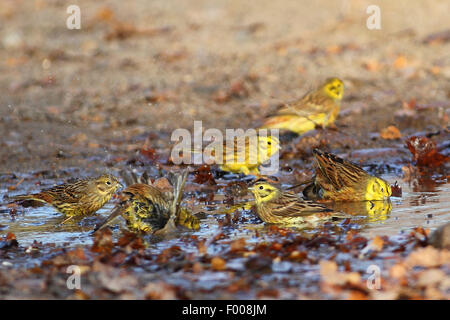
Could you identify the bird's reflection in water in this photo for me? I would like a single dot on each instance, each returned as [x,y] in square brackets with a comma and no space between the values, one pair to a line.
[245,205]
[374,211]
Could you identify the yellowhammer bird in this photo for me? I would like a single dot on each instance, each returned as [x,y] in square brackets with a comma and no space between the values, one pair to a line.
[317,108]
[243,156]
[82,197]
[341,180]
[276,206]
[146,209]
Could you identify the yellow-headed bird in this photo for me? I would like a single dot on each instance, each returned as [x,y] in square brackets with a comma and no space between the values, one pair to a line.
[341,180]
[243,155]
[146,209]
[80,198]
[276,206]
[317,108]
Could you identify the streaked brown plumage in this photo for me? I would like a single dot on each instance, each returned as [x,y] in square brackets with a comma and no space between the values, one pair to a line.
[341,180]
[319,107]
[242,155]
[80,198]
[276,206]
[146,209]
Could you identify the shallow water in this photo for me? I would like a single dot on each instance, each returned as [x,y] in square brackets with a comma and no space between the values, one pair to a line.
[426,206]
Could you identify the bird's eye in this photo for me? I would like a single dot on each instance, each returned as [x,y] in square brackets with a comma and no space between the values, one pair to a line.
[108,183]
[261,187]
[382,190]
[269,143]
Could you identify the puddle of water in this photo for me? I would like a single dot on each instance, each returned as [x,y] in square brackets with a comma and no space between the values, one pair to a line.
[428,207]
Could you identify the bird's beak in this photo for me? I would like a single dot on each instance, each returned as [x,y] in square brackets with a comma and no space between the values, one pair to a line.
[251,188]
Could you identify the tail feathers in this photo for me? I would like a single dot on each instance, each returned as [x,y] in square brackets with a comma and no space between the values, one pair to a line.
[312,192]
[38,197]
[131,178]
[117,211]
[178,192]
[178,183]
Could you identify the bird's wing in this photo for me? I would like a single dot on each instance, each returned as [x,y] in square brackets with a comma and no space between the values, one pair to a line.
[311,104]
[290,205]
[136,193]
[337,171]
[170,227]
[67,193]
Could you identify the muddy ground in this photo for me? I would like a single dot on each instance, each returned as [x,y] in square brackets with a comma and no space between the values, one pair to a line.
[78,102]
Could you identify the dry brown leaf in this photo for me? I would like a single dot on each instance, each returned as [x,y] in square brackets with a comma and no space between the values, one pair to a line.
[238,245]
[425,152]
[162,184]
[218,263]
[117,281]
[431,277]
[428,257]
[160,291]
[197,267]
[390,133]
[398,271]
[441,237]
[377,243]
[357,295]
[330,274]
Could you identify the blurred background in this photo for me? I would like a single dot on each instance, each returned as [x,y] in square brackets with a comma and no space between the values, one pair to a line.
[145,68]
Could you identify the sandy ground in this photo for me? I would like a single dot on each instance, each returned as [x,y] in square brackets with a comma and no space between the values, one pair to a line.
[78,97]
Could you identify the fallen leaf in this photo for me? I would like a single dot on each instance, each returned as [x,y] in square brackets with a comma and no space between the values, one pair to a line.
[259,264]
[425,153]
[117,281]
[430,277]
[9,241]
[159,291]
[428,257]
[390,133]
[398,271]
[441,237]
[162,184]
[237,245]
[396,190]
[103,242]
[218,264]
[203,175]
[331,276]
[149,153]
